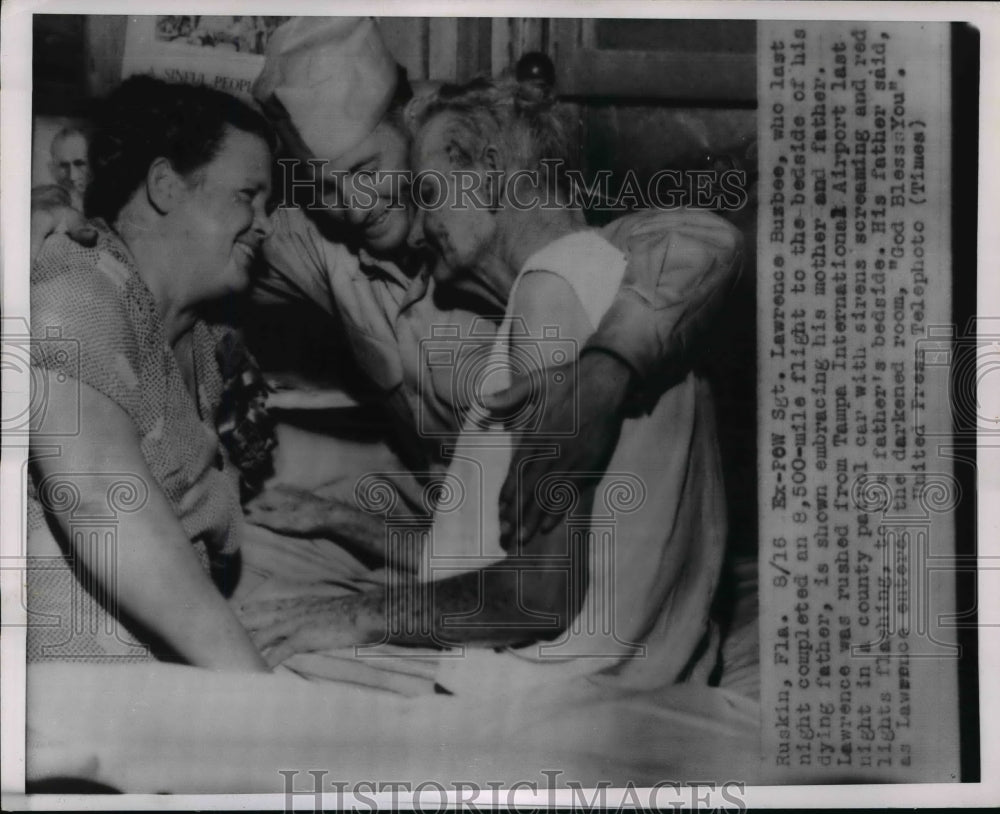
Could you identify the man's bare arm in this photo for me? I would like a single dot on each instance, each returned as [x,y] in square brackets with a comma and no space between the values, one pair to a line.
[532,596]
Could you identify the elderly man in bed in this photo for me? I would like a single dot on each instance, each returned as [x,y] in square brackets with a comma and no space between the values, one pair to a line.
[627,582]
[336,95]
[676,267]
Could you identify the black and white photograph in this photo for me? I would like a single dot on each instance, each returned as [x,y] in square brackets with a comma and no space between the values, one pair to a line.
[574,411]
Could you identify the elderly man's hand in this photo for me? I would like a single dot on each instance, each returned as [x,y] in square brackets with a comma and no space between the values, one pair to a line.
[581,414]
[52,213]
[291,511]
[301,624]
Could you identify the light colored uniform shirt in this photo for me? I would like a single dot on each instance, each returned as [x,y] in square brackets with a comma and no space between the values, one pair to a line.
[399,336]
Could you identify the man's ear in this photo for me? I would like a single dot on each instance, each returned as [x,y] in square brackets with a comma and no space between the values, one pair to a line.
[494,176]
[163,186]
[491,157]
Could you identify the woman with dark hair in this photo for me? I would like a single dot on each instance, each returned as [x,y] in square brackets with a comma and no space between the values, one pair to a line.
[137,509]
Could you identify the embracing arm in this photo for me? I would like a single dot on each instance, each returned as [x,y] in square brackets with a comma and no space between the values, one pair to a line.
[156,577]
[520,599]
[297,265]
[681,266]
[300,513]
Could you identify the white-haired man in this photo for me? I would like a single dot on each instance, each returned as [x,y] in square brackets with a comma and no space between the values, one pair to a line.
[341,105]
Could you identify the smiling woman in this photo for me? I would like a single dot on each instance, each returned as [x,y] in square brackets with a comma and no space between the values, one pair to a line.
[208,176]
[178,200]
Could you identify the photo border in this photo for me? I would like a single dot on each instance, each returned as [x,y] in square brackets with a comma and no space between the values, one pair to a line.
[15,140]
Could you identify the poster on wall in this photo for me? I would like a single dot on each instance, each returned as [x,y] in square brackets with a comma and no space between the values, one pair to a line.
[223,52]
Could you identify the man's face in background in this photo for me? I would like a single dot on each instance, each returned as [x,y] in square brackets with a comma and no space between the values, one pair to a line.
[70,167]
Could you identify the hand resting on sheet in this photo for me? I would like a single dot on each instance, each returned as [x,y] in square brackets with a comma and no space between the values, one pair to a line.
[300,513]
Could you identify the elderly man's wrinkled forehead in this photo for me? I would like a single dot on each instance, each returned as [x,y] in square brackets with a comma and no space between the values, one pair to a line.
[441,142]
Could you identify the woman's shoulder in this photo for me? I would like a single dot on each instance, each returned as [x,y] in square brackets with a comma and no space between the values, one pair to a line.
[88,294]
[103,270]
